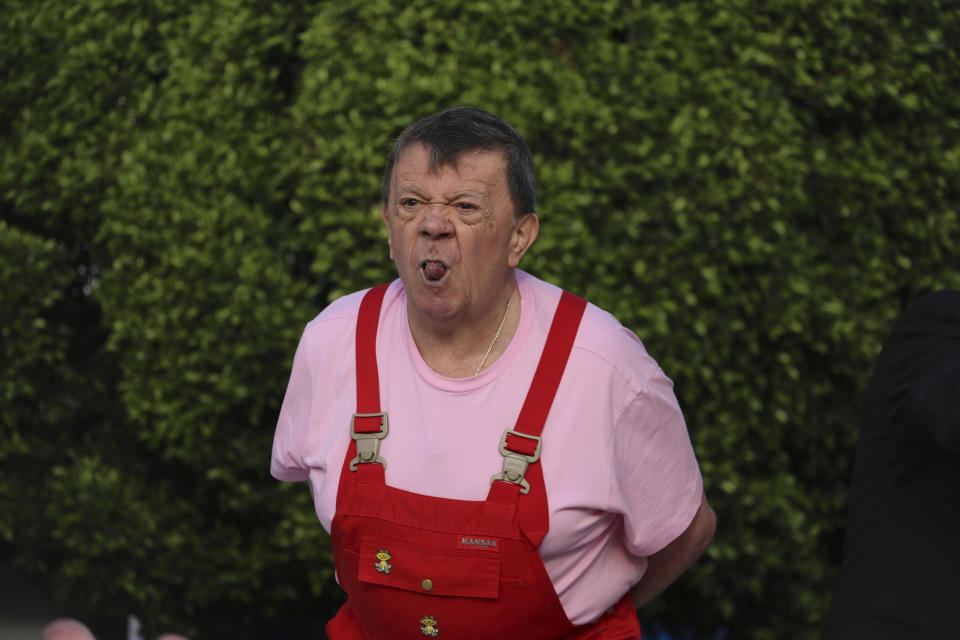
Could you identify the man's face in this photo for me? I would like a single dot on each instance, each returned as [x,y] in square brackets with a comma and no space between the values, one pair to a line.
[453,236]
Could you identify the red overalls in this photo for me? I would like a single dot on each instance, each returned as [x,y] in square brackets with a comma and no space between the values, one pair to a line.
[418,567]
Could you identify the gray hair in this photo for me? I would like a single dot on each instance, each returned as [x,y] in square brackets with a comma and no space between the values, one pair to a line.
[450,133]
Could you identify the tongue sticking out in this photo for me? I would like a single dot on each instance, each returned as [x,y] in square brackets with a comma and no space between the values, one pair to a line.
[434,270]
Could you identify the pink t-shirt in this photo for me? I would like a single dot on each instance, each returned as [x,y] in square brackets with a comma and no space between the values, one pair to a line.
[621,476]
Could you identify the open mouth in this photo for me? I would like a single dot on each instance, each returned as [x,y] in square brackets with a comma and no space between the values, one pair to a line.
[434,270]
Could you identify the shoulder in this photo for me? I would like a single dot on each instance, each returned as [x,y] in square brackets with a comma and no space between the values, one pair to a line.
[343,308]
[928,328]
[936,306]
[341,314]
[944,300]
[602,341]
[602,335]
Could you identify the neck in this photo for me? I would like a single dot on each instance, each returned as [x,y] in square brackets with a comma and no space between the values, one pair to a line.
[457,349]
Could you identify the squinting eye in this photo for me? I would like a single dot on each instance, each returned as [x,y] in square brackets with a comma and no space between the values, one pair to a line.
[409,202]
[466,206]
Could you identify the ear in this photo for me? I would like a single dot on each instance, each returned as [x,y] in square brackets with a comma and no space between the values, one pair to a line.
[524,233]
[386,222]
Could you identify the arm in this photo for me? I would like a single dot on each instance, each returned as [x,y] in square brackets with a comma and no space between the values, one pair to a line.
[666,565]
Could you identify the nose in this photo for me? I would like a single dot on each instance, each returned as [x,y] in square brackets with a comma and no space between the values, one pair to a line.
[435,222]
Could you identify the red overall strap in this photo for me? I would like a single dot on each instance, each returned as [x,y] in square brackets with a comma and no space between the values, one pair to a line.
[368,384]
[534,511]
[368,379]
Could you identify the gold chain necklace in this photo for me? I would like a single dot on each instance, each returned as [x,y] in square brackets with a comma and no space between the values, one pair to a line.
[497,335]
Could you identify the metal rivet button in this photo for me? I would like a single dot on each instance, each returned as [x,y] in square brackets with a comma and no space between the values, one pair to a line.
[427,584]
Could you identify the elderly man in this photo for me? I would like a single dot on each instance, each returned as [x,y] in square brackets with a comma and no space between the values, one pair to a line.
[406,398]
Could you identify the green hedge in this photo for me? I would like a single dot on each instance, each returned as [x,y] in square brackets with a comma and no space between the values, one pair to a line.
[757,191]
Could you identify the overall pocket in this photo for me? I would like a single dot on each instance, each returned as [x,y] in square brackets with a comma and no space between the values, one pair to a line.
[446,571]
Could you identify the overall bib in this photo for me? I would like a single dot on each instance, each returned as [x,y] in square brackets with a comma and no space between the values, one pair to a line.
[417,566]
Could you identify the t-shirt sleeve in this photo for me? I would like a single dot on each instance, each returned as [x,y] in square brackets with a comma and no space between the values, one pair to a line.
[287,459]
[657,481]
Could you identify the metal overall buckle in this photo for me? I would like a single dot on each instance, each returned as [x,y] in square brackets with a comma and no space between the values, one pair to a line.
[515,464]
[368,444]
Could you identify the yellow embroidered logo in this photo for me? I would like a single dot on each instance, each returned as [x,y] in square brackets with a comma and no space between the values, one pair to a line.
[383,561]
[428,626]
